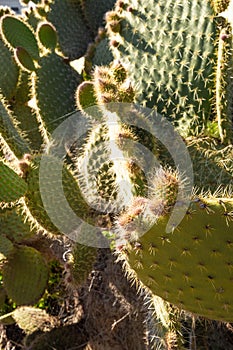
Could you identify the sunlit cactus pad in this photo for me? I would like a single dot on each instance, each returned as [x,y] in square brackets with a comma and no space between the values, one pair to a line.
[191,267]
[168,49]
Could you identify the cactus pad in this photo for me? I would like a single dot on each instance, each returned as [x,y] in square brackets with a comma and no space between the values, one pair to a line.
[55,97]
[17,33]
[12,186]
[83,258]
[72,195]
[24,60]
[25,276]
[9,71]
[73,33]
[191,267]
[94,12]
[47,35]
[6,248]
[168,49]
[14,225]
[9,130]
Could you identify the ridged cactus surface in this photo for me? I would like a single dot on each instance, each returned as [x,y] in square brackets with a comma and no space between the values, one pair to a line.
[168,49]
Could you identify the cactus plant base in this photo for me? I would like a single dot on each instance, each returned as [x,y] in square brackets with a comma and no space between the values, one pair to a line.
[191,267]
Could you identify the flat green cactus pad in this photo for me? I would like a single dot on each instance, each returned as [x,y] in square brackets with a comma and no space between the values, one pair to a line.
[10,131]
[6,248]
[24,60]
[73,33]
[9,71]
[17,33]
[82,263]
[55,97]
[192,267]
[47,35]
[94,11]
[12,186]
[14,225]
[71,196]
[168,49]
[25,275]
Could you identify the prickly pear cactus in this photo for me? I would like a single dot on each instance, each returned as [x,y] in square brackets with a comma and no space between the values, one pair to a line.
[191,266]
[173,72]
[172,56]
[25,275]
[173,45]
[37,90]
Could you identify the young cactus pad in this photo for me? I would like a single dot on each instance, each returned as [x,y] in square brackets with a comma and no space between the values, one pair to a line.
[191,267]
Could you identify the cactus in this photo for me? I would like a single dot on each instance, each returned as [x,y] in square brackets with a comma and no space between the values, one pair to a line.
[80,264]
[174,41]
[25,275]
[166,56]
[12,186]
[190,267]
[38,94]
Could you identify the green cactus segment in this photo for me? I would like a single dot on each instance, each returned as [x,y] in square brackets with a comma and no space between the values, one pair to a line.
[12,186]
[94,12]
[25,276]
[85,96]
[6,248]
[14,225]
[24,60]
[17,33]
[9,72]
[10,131]
[25,115]
[71,195]
[192,267]
[96,175]
[224,85]
[22,92]
[55,97]
[73,33]
[47,35]
[173,48]
[212,163]
[83,258]
[27,118]
[103,54]
[111,85]
[164,326]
